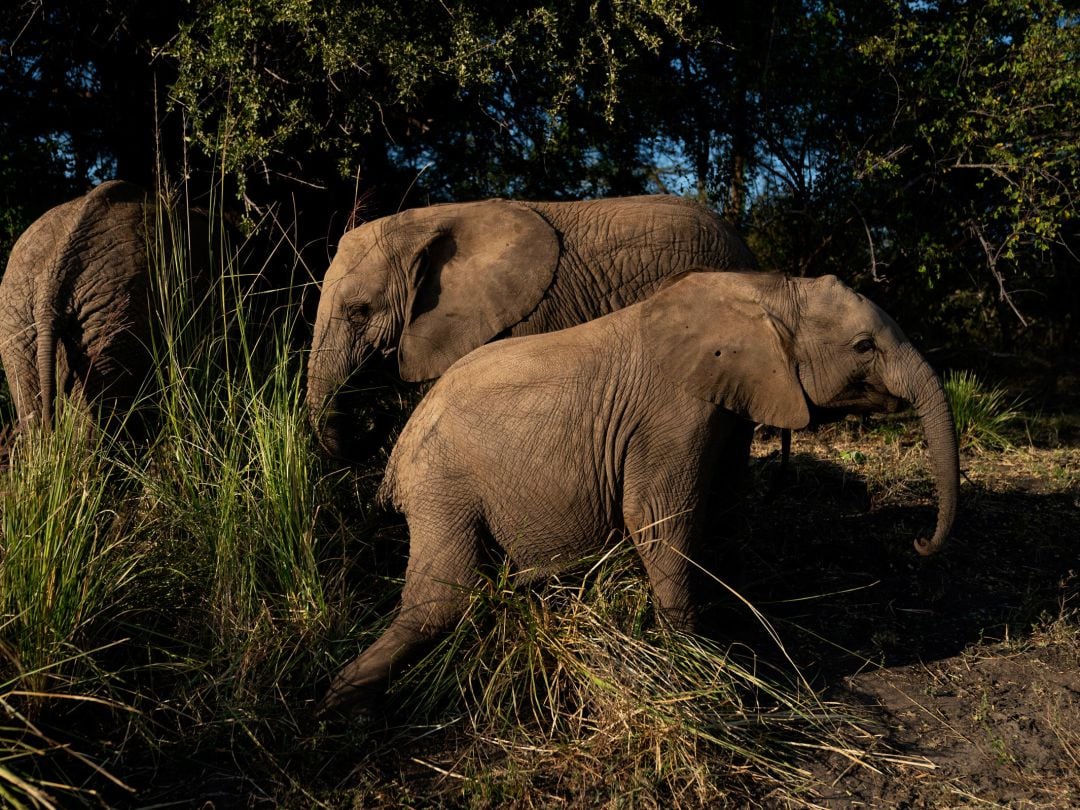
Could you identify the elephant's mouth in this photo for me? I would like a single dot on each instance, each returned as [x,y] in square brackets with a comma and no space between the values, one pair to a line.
[358,419]
[352,435]
[875,402]
[857,398]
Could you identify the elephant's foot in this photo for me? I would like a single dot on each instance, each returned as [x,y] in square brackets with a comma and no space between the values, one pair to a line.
[346,699]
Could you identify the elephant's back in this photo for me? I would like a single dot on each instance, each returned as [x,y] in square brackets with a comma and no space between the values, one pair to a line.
[651,225]
[617,252]
[104,225]
[500,405]
[38,244]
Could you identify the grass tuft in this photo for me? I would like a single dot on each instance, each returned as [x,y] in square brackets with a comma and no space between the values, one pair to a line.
[571,692]
[63,564]
[982,414]
[66,568]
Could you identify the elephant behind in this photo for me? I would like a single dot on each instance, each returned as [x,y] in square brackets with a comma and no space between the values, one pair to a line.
[74,304]
[425,287]
[548,446]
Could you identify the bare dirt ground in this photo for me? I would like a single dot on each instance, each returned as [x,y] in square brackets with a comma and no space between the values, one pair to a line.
[999,725]
[967,665]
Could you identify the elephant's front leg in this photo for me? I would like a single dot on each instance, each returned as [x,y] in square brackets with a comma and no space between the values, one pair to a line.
[667,482]
[442,568]
[664,539]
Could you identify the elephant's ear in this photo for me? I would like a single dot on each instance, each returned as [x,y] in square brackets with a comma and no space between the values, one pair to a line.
[486,268]
[710,334]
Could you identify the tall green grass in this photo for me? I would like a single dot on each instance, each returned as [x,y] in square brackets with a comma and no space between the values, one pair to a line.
[64,563]
[67,567]
[982,413]
[230,490]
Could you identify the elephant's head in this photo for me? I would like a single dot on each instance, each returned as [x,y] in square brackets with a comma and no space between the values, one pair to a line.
[424,287]
[786,352]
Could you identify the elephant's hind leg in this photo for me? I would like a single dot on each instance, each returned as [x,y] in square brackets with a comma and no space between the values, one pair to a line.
[442,568]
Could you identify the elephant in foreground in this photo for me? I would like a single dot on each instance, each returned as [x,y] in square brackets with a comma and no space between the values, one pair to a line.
[73,304]
[425,287]
[552,445]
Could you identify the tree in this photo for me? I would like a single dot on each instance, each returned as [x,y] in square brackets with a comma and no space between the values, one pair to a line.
[78,85]
[982,162]
[495,96]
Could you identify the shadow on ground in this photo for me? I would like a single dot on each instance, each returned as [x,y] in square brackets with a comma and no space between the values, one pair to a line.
[842,584]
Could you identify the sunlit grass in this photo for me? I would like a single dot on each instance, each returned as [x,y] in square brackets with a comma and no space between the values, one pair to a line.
[230,491]
[982,413]
[64,564]
[574,684]
[67,567]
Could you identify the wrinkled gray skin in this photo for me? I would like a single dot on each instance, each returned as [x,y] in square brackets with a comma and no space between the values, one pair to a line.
[427,286]
[553,446]
[73,304]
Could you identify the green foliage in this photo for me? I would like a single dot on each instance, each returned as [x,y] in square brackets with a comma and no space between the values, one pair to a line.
[998,99]
[64,560]
[983,137]
[277,74]
[981,413]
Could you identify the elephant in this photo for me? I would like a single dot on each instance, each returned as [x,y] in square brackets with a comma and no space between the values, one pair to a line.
[426,286]
[74,309]
[549,446]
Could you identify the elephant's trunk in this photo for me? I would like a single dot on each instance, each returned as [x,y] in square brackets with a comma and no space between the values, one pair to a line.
[915,381]
[326,375]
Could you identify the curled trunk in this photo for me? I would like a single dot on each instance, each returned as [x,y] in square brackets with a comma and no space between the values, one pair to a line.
[915,381]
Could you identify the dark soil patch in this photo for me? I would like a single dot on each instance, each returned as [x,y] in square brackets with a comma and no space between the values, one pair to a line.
[997,725]
[966,665]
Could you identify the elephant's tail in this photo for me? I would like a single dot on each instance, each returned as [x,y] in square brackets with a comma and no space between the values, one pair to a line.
[45,325]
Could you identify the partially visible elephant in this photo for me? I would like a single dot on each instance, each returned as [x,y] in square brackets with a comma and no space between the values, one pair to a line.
[427,286]
[551,445]
[73,304]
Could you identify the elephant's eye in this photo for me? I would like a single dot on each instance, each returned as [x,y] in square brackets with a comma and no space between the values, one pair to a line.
[865,345]
[359,309]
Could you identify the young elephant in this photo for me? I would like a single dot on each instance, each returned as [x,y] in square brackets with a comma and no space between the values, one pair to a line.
[550,445]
